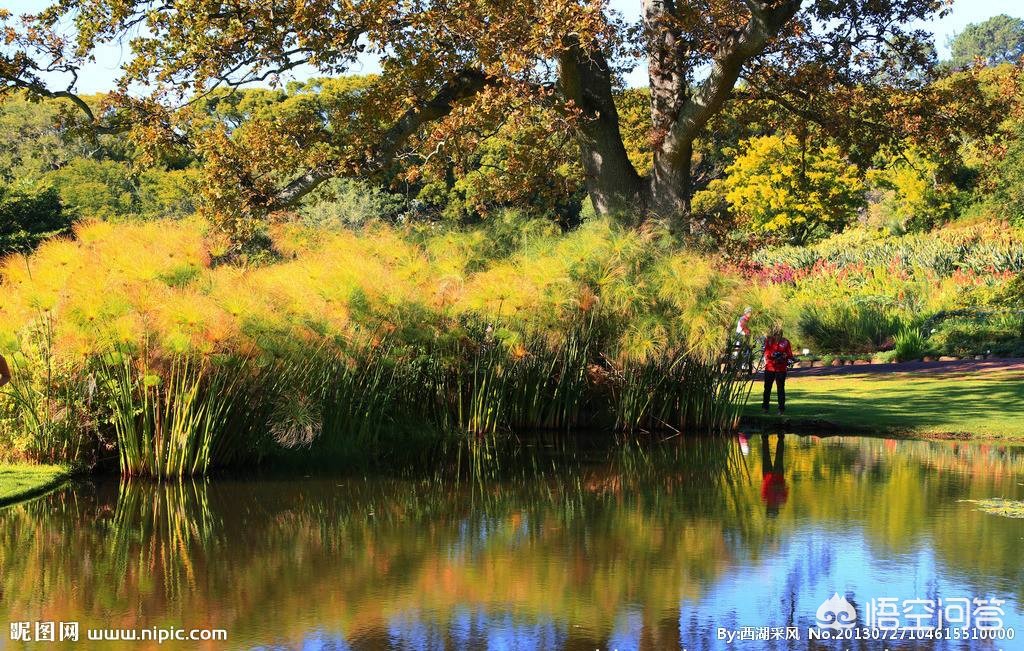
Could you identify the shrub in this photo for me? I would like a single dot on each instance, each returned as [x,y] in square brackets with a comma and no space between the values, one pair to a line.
[1012,294]
[168,194]
[980,333]
[27,217]
[907,193]
[849,328]
[348,202]
[96,189]
[909,345]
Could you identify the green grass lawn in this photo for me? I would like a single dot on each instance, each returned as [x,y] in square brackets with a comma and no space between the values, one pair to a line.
[21,481]
[984,405]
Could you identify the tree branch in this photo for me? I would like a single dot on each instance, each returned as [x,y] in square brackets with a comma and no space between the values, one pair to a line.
[462,86]
[735,51]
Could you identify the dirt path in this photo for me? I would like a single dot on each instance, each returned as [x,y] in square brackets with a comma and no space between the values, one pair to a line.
[959,367]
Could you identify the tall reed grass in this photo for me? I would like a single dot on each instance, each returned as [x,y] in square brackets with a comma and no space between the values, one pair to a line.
[681,394]
[850,328]
[49,414]
[166,420]
[360,347]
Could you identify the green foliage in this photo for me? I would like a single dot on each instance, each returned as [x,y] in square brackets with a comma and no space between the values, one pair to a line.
[27,217]
[984,247]
[35,142]
[167,194]
[853,328]
[1007,198]
[348,202]
[1012,294]
[781,186]
[96,177]
[107,189]
[852,291]
[907,193]
[909,345]
[509,158]
[1000,39]
[634,107]
[96,189]
[49,414]
[980,333]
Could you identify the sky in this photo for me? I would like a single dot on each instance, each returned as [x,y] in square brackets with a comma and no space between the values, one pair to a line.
[100,76]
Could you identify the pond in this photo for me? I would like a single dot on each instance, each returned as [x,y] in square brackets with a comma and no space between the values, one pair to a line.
[671,545]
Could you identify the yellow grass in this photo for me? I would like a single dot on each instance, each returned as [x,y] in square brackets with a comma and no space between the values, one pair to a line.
[151,285]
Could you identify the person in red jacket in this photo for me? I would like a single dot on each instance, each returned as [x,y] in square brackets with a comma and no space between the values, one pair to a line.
[777,355]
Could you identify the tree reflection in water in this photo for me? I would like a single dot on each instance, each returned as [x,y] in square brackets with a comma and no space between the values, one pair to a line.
[642,546]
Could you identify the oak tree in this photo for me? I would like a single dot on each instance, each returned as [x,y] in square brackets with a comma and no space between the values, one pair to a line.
[820,59]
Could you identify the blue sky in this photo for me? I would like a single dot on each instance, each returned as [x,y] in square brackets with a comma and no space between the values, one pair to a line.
[100,75]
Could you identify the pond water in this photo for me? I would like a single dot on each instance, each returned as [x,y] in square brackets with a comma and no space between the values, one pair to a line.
[654,547]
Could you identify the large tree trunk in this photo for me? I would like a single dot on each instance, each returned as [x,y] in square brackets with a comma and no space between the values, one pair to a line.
[613,183]
[667,189]
[678,112]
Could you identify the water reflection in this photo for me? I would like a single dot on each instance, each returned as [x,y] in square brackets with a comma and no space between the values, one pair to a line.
[773,475]
[639,547]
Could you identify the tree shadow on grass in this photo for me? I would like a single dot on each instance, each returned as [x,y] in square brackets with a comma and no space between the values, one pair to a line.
[960,404]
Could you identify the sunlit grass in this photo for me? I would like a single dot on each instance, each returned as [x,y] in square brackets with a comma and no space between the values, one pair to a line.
[981,405]
[19,481]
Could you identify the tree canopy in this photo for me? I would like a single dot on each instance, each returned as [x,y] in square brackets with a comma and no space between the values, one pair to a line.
[800,191]
[28,216]
[1000,39]
[457,70]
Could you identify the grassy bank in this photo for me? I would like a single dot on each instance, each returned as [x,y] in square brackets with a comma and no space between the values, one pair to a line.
[22,481]
[981,405]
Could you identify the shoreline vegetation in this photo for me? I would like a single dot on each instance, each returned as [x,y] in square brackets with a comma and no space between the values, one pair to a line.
[20,482]
[382,347]
[365,348]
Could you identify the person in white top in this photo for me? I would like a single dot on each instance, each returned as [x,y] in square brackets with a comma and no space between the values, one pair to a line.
[741,341]
[742,329]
